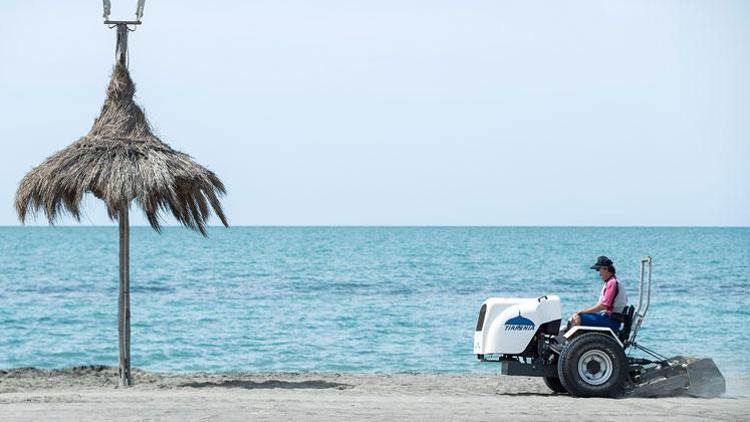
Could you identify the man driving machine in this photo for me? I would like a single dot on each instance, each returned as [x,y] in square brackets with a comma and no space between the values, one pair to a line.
[613,299]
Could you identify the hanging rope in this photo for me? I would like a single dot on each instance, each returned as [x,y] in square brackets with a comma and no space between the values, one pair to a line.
[107,9]
[139,9]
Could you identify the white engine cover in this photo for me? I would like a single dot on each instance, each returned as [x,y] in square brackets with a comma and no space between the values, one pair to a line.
[510,323]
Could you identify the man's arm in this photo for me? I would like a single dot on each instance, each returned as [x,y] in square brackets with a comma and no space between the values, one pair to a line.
[607,299]
[596,308]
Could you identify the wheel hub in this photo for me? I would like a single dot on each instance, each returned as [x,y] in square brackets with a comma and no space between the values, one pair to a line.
[595,367]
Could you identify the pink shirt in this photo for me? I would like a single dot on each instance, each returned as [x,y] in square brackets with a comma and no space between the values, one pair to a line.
[609,291]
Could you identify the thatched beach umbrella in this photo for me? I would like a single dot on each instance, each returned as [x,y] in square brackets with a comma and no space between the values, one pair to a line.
[121,161]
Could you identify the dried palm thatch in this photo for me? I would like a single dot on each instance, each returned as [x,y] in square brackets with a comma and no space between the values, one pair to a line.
[121,160]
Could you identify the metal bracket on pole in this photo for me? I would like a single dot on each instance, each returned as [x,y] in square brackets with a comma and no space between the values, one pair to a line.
[138,15]
[109,22]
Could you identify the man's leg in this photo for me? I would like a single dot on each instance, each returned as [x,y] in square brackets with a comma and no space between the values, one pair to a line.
[599,320]
[572,322]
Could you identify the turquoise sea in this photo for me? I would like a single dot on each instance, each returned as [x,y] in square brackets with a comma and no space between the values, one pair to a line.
[349,299]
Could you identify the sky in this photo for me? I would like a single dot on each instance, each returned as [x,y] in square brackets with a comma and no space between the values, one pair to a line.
[393,112]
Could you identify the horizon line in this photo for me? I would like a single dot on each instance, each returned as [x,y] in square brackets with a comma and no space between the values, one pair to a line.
[378,226]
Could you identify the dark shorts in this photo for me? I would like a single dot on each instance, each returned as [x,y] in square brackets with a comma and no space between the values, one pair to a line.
[599,320]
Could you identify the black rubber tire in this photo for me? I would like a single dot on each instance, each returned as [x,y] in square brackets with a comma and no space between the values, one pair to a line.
[567,366]
[555,385]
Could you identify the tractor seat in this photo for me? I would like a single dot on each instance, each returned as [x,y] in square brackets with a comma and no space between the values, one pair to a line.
[626,317]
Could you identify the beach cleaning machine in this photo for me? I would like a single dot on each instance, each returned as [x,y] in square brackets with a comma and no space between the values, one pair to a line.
[524,336]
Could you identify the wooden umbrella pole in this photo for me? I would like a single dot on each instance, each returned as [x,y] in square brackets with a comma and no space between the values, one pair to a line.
[121,52]
[123,314]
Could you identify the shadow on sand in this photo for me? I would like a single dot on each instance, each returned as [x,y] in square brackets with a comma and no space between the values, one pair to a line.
[531,394]
[270,384]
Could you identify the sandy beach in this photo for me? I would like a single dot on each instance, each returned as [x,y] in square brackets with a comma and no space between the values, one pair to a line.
[90,393]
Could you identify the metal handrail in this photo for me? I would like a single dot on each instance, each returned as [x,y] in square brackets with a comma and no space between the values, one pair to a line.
[640,313]
[648,261]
